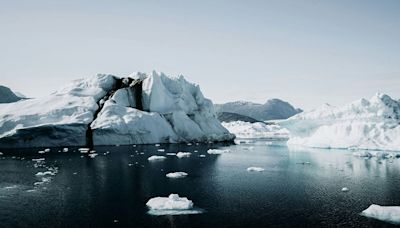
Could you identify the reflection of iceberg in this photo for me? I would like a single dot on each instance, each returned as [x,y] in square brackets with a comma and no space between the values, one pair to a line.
[389,214]
[171,205]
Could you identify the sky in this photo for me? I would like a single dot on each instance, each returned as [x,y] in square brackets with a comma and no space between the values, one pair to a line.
[305,52]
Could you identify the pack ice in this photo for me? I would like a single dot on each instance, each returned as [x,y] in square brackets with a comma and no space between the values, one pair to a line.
[108,110]
[372,124]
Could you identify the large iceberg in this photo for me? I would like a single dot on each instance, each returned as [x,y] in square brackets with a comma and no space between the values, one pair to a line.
[364,124]
[107,110]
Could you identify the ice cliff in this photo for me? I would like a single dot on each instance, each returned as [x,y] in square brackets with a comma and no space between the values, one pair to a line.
[107,110]
[372,124]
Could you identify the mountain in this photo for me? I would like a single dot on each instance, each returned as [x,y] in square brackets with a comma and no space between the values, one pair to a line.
[272,110]
[372,124]
[228,117]
[109,110]
[7,96]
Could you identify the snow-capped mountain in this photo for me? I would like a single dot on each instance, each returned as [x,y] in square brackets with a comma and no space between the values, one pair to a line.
[364,124]
[108,110]
[272,110]
[231,117]
[8,96]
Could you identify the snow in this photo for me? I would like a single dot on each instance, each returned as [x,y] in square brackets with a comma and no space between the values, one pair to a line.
[183,154]
[218,151]
[176,175]
[364,124]
[171,205]
[389,214]
[156,158]
[255,169]
[258,130]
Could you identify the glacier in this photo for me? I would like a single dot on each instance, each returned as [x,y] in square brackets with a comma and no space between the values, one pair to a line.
[107,110]
[257,130]
[372,124]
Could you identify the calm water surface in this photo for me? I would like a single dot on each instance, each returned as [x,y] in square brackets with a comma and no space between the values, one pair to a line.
[298,187]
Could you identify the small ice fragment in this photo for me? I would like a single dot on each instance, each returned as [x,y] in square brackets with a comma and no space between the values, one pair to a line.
[189,144]
[389,214]
[93,155]
[202,155]
[345,189]
[255,169]
[217,151]
[38,159]
[176,175]
[156,158]
[171,154]
[157,145]
[41,152]
[364,154]
[171,205]
[161,150]
[65,150]
[45,173]
[1,153]
[183,154]
[84,150]
[47,150]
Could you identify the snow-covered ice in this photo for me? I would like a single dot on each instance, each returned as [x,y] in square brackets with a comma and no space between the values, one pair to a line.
[364,124]
[156,158]
[171,205]
[389,214]
[172,110]
[256,130]
[176,175]
[183,154]
[218,151]
[255,169]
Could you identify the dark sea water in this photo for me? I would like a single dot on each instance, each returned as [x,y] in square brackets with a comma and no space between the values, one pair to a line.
[299,188]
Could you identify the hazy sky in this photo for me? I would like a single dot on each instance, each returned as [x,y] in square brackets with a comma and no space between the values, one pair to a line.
[305,52]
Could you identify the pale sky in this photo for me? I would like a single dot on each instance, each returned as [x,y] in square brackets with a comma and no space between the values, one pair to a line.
[305,52]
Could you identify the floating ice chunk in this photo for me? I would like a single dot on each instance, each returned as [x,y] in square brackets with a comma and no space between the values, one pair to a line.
[1,153]
[47,150]
[161,150]
[41,152]
[255,169]
[389,214]
[217,151]
[183,154]
[171,205]
[38,159]
[45,173]
[156,158]
[84,150]
[345,189]
[93,155]
[176,175]
[171,154]
[202,155]
[157,145]
[65,149]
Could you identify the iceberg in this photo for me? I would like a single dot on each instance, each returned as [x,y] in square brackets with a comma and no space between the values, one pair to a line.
[257,130]
[171,205]
[389,214]
[108,110]
[372,124]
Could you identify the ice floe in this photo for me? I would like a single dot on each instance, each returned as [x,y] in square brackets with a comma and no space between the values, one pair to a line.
[171,205]
[255,169]
[176,175]
[156,158]
[389,214]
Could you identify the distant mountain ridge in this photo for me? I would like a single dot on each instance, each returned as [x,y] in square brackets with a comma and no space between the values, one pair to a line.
[228,117]
[273,109]
[8,96]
